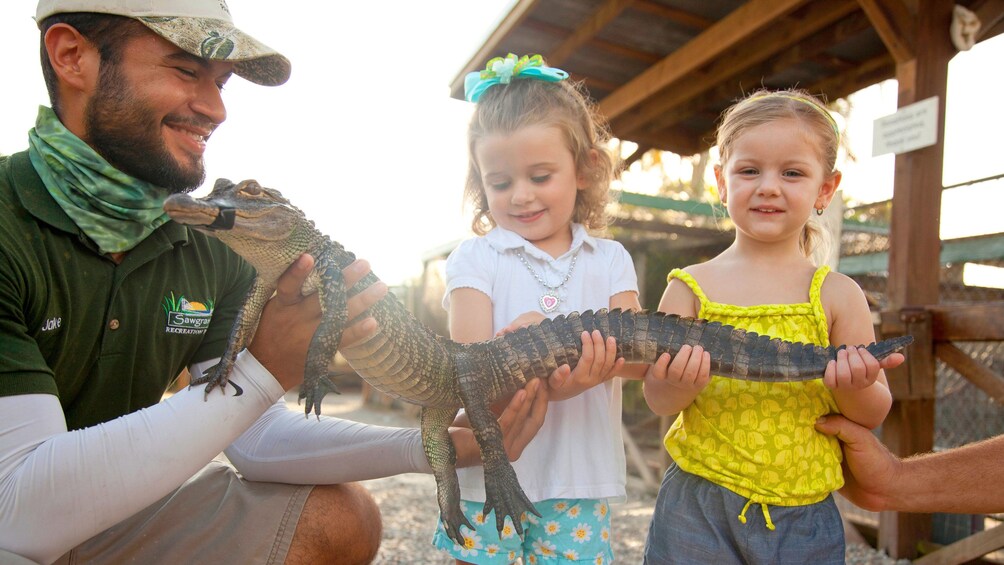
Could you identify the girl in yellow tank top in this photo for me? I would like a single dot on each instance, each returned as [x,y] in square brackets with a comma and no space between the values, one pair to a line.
[738,445]
[755,438]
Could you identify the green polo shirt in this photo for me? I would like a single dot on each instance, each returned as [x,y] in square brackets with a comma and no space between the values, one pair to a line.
[106,338]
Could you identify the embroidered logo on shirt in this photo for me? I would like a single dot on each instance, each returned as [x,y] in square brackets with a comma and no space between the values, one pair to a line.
[51,324]
[186,316]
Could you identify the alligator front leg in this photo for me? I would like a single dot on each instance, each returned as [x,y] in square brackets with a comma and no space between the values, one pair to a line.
[324,343]
[503,494]
[442,457]
[243,329]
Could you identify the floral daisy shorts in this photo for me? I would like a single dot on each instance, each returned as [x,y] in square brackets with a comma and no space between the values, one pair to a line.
[569,530]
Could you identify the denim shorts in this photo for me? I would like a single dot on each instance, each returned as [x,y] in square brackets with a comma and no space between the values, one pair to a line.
[697,521]
[569,530]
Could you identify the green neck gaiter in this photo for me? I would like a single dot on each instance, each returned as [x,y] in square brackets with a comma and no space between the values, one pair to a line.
[114,209]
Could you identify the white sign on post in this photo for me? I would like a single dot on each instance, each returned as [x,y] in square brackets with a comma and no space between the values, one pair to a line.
[911,127]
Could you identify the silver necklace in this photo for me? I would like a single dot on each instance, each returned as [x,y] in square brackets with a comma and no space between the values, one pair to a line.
[549,298]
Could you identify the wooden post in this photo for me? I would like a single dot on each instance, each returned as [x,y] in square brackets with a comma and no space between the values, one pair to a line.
[909,428]
[914,267]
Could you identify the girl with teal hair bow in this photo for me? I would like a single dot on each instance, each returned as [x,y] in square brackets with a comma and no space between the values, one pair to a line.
[538,184]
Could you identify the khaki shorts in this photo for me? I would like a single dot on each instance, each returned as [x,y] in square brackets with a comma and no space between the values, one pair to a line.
[215,517]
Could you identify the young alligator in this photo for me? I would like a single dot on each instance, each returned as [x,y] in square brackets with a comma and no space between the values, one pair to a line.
[407,360]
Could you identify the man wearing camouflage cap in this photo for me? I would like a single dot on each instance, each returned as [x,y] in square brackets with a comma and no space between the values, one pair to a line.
[104,302]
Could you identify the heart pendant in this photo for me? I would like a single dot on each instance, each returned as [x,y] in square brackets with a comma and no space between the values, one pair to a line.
[548,302]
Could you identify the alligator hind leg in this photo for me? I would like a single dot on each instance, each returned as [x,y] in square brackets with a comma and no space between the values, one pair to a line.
[503,494]
[442,456]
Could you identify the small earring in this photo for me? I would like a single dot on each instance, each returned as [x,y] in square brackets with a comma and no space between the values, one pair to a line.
[819,211]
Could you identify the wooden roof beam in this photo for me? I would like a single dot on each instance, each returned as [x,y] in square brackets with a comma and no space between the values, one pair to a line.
[698,109]
[705,140]
[994,31]
[628,52]
[832,61]
[673,14]
[850,85]
[783,34]
[991,14]
[604,14]
[743,23]
[729,87]
[677,140]
[895,26]
[593,83]
[867,73]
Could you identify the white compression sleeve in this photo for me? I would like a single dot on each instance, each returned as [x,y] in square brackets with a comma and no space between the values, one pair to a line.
[285,446]
[58,488]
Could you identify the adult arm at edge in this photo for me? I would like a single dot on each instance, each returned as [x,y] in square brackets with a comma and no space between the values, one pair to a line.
[965,479]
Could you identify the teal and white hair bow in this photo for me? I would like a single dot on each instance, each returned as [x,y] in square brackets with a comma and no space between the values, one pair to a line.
[501,70]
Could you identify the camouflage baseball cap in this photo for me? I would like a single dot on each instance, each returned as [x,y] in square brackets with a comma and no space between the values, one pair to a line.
[200,27]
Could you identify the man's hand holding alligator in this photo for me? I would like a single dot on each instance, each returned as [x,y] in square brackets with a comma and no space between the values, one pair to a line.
[290,320]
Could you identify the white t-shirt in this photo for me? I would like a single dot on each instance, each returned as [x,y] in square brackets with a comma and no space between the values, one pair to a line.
[579,451]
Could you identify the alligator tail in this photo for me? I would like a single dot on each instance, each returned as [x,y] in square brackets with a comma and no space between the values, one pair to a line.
[642,337]
[887,347]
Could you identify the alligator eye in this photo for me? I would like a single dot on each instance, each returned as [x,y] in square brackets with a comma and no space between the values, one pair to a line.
[252,189]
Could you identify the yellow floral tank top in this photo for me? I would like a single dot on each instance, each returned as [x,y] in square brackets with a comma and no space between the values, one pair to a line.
[757,439]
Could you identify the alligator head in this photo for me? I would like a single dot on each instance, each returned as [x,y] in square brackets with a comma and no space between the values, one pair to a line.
[237,211]
[258,223]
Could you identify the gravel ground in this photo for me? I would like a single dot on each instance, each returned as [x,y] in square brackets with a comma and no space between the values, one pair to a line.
[408,503]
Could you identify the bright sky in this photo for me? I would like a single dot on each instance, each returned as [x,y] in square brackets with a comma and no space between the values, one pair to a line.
[365,138]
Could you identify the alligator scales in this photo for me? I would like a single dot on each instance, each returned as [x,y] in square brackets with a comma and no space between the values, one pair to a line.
[407,360]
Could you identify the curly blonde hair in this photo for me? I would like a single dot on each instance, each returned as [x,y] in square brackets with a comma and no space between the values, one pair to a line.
[764,106]
[505,108]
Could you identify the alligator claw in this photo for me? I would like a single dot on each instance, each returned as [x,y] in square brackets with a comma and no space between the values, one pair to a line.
[452,521]
[313,395]
[505,497]
[213,377]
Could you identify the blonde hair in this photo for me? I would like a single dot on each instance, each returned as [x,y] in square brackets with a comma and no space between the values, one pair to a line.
[764,106]
[505,108]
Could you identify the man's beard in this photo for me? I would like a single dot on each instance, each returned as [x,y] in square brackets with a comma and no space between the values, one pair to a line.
[125,131]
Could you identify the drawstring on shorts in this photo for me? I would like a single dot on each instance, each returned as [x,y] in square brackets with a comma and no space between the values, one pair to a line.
[766,514]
